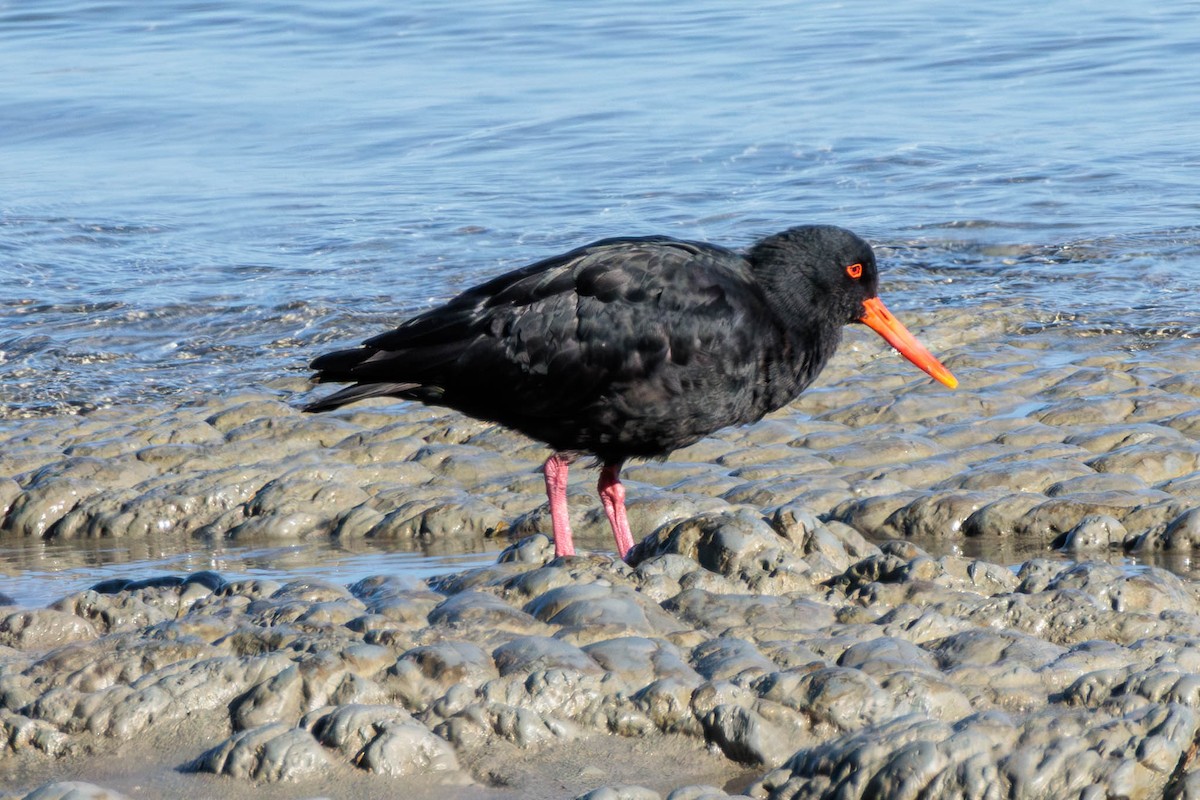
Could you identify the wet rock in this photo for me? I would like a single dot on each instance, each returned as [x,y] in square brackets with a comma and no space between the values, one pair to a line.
[170,693]
[667,704]
[641,661]
[479,723]
[833,699]
[266,754]
[528,653]
[42,629]
[9,490]
[1093,532]
[936,516]
[926,472]
[887,449]
[620,792]
[1060,514]
[868,515]
[649,512]
[740,546]
[37,509]
[1024,435]
[761,734]
[113,660]
[836,543]
[108,472]
[464,464]
[167,504]
[479,609]
[1101,482]
[320,492]
[381,739]
[238,414]
[552,587]
[1154,406]
[886,654]
[1185,488]
[313,682]
[280,697]
[775,490]
[728,657]
[1153,517]
[704,609]
[1150,590]
[761,453]
[73,790]
[965,434]
[983,648]
[1152,463]
[1087,411]
[1001,517]
[290,432]
[1020,476]
[459,517]
[699,792]
[20,734]
[906,408]
[424,674]
[595,605]
[535,549]
[124,611]
[822,770]
[1181,535]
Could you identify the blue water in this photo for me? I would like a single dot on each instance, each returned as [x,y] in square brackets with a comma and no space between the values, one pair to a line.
[200,196]
[36,573]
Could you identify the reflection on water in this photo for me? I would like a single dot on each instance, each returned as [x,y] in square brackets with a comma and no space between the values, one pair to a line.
[35,573]
[1015,551]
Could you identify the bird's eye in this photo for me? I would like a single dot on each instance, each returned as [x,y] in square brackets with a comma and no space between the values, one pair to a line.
[854,271]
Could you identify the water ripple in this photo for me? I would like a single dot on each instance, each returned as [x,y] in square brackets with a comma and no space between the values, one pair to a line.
[202,195]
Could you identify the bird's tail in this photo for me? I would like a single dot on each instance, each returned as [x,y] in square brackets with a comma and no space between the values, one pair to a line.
[359,391]
[347,365]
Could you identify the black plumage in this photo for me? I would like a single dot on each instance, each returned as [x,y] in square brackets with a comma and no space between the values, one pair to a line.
[628,347]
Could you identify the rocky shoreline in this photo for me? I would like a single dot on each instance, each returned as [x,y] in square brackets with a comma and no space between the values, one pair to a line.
[801,620]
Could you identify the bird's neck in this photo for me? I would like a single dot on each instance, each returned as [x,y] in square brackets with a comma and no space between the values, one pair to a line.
[799,303]
[809,329]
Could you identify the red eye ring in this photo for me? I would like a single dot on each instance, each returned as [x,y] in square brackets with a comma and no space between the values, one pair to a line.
[854,271]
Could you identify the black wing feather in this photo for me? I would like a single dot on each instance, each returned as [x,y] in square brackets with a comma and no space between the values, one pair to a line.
[625,346]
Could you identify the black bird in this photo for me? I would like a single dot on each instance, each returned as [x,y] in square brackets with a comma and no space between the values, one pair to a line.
[632,347]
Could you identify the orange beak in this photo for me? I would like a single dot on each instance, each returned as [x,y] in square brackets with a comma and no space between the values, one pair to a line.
[880,320]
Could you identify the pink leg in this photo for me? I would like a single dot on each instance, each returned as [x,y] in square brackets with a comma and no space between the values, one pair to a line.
[555,470]
[612,496]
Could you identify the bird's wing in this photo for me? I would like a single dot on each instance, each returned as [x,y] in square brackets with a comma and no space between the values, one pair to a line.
[548,338]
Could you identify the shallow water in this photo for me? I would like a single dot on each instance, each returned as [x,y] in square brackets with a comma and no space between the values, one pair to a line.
[35,574]
[200,197]
[203,196]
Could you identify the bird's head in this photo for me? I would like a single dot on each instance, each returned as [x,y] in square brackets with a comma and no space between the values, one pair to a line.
[834,278]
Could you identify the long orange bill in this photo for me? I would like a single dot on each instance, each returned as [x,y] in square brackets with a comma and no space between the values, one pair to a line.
[880,320]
